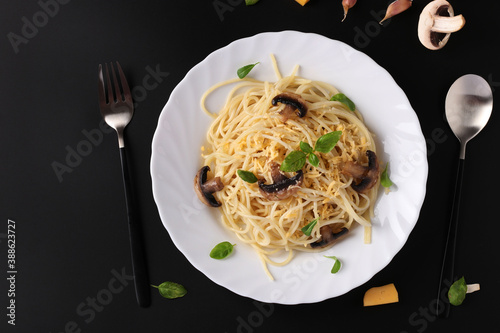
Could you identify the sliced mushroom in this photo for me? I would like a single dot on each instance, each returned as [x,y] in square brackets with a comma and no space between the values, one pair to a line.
[330,234]
[295,105]
[437,22]
[366,176]
[205,189]
[282,186]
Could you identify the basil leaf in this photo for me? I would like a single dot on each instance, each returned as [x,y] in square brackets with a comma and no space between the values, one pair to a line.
[293,162]
[336,265]
[314,160]
[309,227]
[305,147]
[326,142]
[243,71]
[384,178]
[247,176]
[344,100]
[457,292]
[171,290]
[221,250]
[251,2]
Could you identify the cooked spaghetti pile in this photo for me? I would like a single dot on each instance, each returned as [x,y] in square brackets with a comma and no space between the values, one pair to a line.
[250,133]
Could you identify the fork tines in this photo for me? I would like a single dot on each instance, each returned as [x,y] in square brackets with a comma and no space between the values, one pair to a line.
[121,91]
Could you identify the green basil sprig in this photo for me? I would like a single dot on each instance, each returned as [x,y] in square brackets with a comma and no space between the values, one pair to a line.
[384,178]
[344,100]
[250,2]
[243,71]
[297,159]
[171,290]
[222,250]
[336,265]
[309,227]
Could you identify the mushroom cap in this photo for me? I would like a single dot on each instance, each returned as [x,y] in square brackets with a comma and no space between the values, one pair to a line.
[205,189]
[429,37]
[294,104]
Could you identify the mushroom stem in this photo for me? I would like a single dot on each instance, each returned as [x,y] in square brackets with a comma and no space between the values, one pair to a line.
[446,24]
[212,185]
[276,174]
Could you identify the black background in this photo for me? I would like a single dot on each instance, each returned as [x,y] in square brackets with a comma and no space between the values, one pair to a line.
[71,233]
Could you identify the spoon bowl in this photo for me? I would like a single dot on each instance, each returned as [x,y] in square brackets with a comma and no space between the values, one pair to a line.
[469,103]
[468,106]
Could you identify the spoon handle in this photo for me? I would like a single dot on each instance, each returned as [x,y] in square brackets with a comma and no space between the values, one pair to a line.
[447,270]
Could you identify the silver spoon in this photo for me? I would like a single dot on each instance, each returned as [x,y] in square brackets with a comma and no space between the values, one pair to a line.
[469,103]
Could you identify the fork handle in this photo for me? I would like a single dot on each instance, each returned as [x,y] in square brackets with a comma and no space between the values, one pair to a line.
[139,267]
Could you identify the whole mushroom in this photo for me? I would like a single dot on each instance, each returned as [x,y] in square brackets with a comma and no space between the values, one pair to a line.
[366,176]
[205,188]
[437,22]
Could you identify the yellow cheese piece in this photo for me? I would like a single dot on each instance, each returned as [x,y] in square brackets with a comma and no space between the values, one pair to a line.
[302,2]
[381,295]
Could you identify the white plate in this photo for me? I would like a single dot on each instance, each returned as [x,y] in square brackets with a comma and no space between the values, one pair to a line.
[195,229]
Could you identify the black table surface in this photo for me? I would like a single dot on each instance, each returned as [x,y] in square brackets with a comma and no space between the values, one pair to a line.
[72,256]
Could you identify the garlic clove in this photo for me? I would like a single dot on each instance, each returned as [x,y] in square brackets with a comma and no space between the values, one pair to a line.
[347,4]
[395,8]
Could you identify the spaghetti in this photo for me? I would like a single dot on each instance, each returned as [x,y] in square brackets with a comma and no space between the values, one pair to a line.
[249,134]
